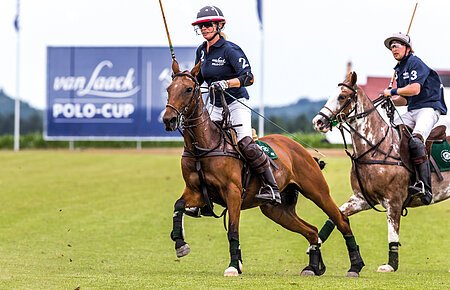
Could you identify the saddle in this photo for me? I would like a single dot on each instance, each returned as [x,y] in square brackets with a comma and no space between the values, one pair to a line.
[437,135]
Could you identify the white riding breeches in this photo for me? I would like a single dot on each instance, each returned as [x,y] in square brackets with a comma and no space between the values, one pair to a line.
[239,115]
[421,120]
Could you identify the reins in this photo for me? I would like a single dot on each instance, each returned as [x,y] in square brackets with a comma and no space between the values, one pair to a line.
[276,125]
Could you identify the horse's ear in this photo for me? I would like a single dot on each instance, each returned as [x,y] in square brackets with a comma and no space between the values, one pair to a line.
[196,69]
[175,66]
[354,78]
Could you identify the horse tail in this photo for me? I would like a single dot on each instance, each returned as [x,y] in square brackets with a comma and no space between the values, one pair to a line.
[320,162]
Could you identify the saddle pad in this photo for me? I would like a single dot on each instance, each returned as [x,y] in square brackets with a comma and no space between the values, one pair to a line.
[441,154]
[267,149]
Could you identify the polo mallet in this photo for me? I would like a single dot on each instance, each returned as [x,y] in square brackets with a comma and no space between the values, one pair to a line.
[391,83]
[167,32]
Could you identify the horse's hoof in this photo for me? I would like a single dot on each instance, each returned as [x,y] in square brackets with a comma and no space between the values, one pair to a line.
[386,268]
[183,250]
[307,273]
[231,272]
[353,274]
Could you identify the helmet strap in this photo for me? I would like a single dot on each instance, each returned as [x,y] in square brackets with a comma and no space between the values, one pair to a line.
[212,37]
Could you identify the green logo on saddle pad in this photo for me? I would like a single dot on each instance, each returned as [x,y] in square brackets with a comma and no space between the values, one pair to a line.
[441,154]
[445,154]
[267,149]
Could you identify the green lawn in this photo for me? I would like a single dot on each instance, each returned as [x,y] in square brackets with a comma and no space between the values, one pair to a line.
[101,220]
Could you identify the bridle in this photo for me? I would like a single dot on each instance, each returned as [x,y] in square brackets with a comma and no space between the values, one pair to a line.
[195,97]
[339,116]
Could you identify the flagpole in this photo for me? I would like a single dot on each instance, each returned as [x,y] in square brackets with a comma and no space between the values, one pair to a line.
[261,79]
[17,100]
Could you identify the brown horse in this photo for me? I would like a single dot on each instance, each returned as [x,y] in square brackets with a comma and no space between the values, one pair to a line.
[211,164]
[378,176]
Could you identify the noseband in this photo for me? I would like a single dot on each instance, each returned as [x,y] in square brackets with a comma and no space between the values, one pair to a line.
[339,117]
[195,92]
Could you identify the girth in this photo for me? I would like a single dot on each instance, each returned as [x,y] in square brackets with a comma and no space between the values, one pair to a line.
[211,153]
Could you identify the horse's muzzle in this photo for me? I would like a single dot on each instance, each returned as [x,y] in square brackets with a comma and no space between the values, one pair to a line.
[321,124]
[170,121]
[171,124]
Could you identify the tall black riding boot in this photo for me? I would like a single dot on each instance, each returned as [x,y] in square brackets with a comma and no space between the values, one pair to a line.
[259,163]
[422,166]
[269,190]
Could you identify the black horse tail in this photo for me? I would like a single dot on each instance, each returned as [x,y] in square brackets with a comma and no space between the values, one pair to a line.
[320,162]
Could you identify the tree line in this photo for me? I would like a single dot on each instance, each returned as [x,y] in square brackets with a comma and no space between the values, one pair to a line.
[301,123]
[32,124]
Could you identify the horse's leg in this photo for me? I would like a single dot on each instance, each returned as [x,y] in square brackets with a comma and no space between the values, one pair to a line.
[286,216]
[234,213]
[354,205]
[339,217]
[393,214]
[177,234]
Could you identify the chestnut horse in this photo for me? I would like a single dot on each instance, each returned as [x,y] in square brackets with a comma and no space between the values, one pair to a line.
[211,163]
[378,175]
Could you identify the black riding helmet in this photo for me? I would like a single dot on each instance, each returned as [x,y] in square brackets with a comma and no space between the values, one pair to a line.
[210,14]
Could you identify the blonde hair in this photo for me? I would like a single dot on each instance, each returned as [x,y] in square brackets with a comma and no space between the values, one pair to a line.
[221,33]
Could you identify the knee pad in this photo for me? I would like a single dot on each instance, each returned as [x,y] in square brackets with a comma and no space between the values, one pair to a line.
[253,154]
[417,149]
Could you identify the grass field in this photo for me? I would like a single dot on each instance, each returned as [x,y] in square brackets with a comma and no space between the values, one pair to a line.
[101,220]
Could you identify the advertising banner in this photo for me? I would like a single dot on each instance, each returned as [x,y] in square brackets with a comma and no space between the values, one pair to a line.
[109,93]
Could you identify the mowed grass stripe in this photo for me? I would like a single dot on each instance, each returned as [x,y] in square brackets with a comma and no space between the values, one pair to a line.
[101,220]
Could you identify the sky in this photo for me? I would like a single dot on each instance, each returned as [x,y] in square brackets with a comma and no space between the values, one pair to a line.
[305,44]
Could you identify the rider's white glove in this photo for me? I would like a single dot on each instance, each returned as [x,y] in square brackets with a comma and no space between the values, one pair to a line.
[220,85]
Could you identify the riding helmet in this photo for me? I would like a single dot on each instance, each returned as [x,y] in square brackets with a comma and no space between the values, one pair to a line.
[403,38]
[209,14]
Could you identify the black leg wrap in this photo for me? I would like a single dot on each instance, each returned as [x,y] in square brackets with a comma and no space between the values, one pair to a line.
[393,255]
[177,230]
[351,243]
[326,230]
[235,251]
[316,264]
[356,261]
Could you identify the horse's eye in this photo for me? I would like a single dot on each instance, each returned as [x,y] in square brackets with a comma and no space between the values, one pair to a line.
[189,90]
[341,97]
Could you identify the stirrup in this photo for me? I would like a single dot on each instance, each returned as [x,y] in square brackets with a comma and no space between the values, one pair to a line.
[418,189]
[272,197]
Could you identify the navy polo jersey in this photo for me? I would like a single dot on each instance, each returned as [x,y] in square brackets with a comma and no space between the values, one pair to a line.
[412,69]
[225,60]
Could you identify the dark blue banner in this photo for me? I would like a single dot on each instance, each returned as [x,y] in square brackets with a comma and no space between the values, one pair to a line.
[109,93]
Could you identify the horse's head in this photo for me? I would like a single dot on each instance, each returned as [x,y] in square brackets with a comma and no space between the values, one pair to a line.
[339,106]
[183,95]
